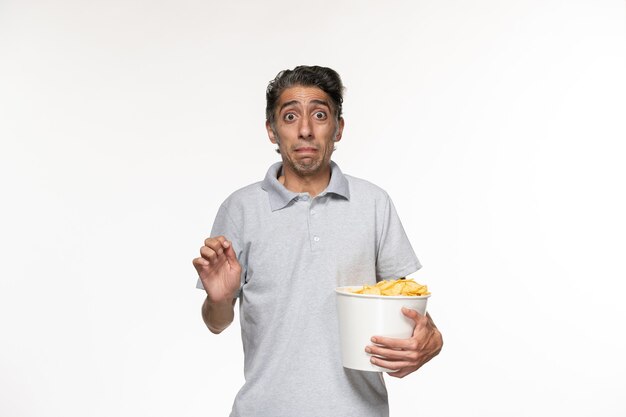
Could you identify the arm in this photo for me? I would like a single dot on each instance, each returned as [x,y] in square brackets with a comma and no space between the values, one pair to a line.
[220,272]
[406,356]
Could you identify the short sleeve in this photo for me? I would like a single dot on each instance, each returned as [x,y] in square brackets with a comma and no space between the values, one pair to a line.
[395,256]
[225,226]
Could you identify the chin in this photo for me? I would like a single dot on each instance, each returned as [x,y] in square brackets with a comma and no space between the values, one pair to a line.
[308,169]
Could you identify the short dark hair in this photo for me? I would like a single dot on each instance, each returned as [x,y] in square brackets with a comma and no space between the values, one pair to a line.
[324,78]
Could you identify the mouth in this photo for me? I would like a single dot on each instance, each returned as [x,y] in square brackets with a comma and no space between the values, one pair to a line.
[306,150]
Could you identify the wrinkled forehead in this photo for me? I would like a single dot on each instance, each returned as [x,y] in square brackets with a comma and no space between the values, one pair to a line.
[306,96]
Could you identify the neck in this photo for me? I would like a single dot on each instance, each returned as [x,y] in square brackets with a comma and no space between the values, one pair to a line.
[312,184]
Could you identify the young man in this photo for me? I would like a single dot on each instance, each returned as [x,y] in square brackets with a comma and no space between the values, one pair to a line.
[282,245]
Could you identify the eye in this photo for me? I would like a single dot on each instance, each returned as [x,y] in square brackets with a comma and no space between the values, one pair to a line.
[289,117]
[320,115]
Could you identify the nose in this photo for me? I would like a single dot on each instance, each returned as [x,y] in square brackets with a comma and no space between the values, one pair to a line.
[305,129]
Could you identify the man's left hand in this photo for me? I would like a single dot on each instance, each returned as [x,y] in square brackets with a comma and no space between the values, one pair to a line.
[405,356]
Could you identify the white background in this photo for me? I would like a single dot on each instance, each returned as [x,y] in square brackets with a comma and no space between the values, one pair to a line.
[497,128]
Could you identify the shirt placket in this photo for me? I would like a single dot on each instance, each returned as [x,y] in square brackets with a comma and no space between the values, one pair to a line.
[315,235]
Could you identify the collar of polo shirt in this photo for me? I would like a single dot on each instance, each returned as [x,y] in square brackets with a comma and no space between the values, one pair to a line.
[280,196]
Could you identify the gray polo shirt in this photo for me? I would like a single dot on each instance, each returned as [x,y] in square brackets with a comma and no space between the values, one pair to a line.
[294,250]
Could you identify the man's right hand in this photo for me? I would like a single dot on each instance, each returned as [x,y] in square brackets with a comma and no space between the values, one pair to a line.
[219,270]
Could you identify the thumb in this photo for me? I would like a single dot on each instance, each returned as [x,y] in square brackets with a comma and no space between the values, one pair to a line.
[410,313]
[229,251]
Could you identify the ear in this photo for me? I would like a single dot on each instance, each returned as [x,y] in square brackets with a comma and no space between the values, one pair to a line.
[337,137]
[270,131]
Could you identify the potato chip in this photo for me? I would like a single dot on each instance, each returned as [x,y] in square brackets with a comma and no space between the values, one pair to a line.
[371,290]
[401,286]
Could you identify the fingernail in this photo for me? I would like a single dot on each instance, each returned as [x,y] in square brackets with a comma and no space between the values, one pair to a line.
[374,339]
[368,350]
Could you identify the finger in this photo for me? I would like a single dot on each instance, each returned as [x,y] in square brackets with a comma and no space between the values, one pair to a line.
[393,365]
[215,247]
[392,354]
[214,239]
[216,243]
[209,254]
[403,372]
[229,251]
[200,264]
[392,343]
[418,319]
[412,314]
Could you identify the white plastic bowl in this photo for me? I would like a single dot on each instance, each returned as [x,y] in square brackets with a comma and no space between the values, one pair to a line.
[362,316]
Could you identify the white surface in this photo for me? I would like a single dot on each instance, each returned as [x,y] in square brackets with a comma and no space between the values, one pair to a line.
[497,127]
[362,316]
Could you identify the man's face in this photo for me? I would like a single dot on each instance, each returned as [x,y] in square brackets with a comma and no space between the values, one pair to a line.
[305,130]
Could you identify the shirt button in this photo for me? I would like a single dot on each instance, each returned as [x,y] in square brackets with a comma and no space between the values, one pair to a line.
[304,198]
[316,238]
[312,212]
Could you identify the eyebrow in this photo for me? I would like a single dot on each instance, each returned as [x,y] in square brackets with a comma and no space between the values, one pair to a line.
[292,102]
